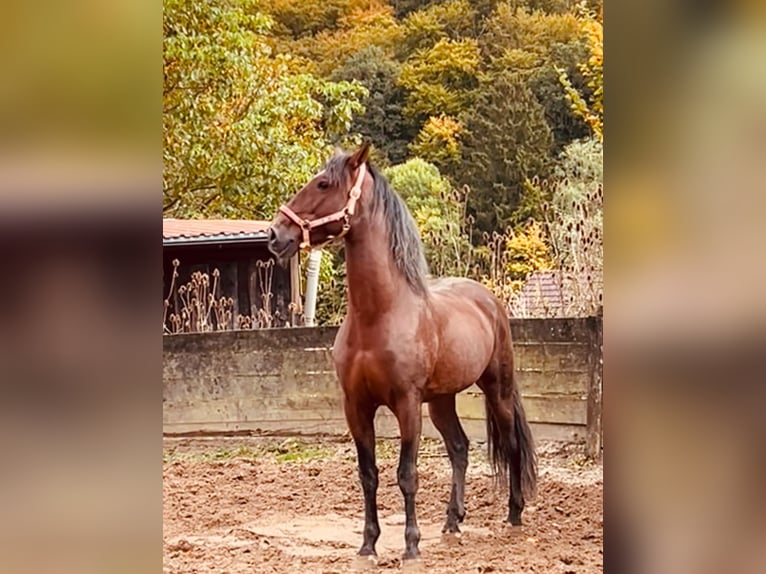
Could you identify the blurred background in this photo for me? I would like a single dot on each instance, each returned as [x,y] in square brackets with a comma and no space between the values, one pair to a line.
[83,140]
[80,195]
[685,314]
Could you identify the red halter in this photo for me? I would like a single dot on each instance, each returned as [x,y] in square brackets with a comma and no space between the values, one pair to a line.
[342,215]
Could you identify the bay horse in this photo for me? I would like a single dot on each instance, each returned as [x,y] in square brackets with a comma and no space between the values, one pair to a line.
[408,340]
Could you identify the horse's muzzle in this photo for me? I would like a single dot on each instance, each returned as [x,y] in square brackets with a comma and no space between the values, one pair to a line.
[282,244]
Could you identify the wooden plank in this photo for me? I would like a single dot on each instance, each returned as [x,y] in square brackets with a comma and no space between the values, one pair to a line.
[295,287]
[253,289]
[538,408]
[551,330]
[552,383]
[284,426]
[243,289]
[386,427]
[230,393]
[595,394]
[229,288]
[557,410]
[219,411]
[248,341]
[552,357]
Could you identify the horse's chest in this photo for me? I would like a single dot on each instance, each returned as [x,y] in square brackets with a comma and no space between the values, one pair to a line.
[380,373]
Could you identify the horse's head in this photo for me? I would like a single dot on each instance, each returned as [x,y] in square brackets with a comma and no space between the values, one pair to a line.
[323,210]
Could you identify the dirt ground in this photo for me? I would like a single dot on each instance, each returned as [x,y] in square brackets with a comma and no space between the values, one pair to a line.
[271,505]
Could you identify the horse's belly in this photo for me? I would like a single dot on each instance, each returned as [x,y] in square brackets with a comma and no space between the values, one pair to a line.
[463,356]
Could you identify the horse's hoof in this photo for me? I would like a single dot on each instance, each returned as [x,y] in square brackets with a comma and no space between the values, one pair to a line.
[412,565]
[451,538]
[512,529]
[362,563]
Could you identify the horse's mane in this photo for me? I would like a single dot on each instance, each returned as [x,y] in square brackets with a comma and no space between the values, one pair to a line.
[403,235]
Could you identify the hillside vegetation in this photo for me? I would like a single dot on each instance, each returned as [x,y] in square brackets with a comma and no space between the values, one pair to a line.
[486,116]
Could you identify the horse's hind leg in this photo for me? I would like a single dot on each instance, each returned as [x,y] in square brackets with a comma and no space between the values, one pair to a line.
[361,424]
[444,417]
[504,448]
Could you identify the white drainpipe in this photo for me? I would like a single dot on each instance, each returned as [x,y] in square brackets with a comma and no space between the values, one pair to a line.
[312,284]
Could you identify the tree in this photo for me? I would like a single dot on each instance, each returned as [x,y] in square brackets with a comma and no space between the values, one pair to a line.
[404,7]
[368,24]
[539,44]
[300,18]
[382,122]
[452,19]
[527,252]
[439,142]
[590,107]
[507,143]
[241,131]
[441,80]
[513,27]
[566,125]
[438,211]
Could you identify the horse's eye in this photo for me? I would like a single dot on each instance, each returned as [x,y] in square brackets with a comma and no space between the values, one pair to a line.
[323,184]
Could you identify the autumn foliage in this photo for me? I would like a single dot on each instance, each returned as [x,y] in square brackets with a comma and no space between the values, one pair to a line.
[486,115]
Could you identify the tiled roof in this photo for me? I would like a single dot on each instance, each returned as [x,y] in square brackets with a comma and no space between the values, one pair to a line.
[176,231]
[543,290]
[551,294]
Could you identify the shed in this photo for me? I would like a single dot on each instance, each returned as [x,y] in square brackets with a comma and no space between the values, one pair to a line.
[240,272]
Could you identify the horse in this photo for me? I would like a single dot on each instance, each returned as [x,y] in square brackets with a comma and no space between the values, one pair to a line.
[408,339]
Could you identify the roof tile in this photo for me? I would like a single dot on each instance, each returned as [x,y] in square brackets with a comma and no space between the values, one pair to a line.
[189,228]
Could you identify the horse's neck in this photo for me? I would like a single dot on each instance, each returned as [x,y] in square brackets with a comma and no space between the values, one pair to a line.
[374,283]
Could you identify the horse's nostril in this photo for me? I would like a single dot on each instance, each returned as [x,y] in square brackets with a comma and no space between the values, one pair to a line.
[272,235]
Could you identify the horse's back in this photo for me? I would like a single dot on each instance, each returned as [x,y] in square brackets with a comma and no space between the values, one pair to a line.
[465,296]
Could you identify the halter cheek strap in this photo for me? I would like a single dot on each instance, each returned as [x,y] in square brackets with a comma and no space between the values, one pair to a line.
[342,215]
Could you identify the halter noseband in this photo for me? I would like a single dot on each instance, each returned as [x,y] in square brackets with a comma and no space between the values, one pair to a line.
[342,215]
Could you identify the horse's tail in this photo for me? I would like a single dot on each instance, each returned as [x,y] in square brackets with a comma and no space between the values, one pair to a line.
[526,446]
[503,448]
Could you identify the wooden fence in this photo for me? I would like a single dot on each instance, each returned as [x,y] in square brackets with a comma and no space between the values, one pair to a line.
[282,380]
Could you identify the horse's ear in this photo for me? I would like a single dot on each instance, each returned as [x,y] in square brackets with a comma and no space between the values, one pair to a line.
[359,157]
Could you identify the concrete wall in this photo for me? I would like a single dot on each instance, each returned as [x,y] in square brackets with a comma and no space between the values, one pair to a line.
[283,380]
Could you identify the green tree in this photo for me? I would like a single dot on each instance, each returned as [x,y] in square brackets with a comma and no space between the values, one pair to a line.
[241,131]
[540,45]
[507,143]
[382,122]
[438,211]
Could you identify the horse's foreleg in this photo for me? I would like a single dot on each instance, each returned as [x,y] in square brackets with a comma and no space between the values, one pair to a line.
[444,417]
[409,416]
[361,424]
